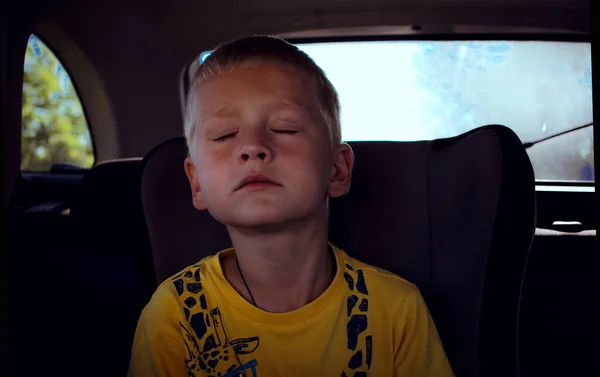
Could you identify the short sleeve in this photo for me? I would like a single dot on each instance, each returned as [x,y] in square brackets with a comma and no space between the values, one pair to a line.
[420,351]
[158,347]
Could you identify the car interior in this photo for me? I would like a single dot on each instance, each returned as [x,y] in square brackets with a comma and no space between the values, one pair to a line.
[472,127]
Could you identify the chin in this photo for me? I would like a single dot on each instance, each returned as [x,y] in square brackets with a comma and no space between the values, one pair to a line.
[247,216]
[263,216]
[258,220]
[261,221]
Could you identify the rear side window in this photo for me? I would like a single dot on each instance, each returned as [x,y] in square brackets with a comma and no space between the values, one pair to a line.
[420,90]
[55,130]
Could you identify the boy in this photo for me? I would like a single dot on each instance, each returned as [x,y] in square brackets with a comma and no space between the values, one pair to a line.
[265,155]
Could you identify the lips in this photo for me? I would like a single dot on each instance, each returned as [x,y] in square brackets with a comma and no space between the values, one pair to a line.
[256,180]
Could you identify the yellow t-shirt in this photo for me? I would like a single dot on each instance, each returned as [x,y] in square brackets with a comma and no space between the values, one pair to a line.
[368,322]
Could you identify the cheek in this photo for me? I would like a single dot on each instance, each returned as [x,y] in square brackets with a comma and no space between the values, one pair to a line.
[210,174]
[315,154]
[312,172]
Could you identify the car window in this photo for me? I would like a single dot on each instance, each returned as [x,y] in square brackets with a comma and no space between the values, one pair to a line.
[424,90]
[55,129]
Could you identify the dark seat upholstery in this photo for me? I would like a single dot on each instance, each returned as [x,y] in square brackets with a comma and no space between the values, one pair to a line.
[455,216]
[104,197]
[101,273]
[560,332]
[75,305]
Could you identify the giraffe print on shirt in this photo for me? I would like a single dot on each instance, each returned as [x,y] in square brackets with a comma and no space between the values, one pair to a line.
[360,340]
[209,350]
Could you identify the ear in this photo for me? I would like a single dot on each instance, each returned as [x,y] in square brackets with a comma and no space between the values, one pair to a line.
[190,171]
[341,173]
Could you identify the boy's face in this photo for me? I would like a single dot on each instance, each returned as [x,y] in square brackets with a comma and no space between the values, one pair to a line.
[262,152]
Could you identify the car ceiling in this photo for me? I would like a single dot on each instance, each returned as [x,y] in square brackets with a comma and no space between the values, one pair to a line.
[126,58]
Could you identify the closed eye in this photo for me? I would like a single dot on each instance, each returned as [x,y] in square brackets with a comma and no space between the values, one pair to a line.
[224,137]
[285,132]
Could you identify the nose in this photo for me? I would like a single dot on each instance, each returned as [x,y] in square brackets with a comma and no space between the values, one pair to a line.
[255,148]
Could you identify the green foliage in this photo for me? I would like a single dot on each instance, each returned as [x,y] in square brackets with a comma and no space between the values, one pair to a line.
[54,125]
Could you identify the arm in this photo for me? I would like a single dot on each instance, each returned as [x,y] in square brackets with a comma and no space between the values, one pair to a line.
[420,351]
[158,348]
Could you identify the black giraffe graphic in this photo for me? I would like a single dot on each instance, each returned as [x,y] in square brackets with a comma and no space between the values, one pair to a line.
[209,350]
[360,341]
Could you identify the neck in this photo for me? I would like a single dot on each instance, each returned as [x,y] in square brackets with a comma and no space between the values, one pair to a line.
[284,270]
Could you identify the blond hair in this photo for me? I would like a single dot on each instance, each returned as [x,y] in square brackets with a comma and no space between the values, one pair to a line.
[230,56]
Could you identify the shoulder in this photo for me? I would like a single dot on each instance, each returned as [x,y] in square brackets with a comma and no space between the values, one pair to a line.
[378,283]
[173,291]
[379,276]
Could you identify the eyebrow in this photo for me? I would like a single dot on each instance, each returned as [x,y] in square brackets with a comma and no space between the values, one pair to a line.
[220,112]
[282,104]
[231,110]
